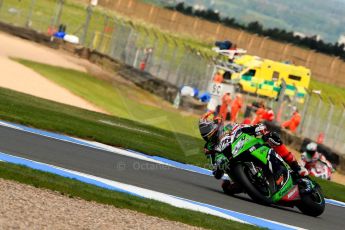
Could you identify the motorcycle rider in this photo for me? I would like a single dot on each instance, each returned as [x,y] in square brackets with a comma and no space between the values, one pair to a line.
[218,144]
[311,155]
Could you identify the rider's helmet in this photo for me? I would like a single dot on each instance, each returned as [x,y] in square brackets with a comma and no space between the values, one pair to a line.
[311,149]
[209,128]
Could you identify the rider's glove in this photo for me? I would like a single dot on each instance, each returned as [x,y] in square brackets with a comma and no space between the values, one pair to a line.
[207,151]
[218,173]
[221,163]
[272,138]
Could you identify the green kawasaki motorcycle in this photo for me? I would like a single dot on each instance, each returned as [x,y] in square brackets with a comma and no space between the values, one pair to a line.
[267,178]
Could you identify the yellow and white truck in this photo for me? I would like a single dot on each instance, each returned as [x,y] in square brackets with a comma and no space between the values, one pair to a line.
[264,77]
[256,75]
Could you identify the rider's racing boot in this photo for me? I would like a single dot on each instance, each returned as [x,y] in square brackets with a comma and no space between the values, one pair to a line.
[305,185]
[298,169]
[303,181]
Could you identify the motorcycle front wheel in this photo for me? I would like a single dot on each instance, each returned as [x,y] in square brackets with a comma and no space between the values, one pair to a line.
[242,175]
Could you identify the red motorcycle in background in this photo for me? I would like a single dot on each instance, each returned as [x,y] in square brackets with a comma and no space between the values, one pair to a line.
[319,169]
[316,163]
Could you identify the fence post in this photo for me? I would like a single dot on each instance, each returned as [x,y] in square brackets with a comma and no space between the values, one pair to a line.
[162,54]
[339,126]
[187,56]
[210,79]
[204,84]
[31,9]
[206,76]
[105,26]
[147,51]
[58,13]
[306,125]
[87,24]
[187,71]
[280,99]
[178,70]
[200,72]
[127,58]
[318,111]
[135,62]
[154,54]
[112,45]
[330,114]
[172,60]
[304,113]
[146,39]
[191,70]
[1,3]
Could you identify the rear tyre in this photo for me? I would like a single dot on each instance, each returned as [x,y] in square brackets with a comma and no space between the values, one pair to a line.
[241,175]
[312,204]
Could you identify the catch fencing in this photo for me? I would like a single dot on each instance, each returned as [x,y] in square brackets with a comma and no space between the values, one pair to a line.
[153,52]
[323,119]
[164,57]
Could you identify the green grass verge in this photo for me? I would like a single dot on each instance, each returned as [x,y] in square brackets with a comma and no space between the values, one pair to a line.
[332,190]
[49,115]
[119,100]
[74,188]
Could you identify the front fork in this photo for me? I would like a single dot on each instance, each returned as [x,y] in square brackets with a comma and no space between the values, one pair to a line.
[253,170]
[256,174]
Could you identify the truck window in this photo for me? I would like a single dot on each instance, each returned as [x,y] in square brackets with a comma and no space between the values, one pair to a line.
[294,77]
[275,76]
[250,72]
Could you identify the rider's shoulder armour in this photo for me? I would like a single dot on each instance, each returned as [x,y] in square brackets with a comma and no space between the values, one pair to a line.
[224,144]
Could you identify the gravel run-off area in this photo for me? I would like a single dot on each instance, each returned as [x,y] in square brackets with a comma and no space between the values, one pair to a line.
[26,207]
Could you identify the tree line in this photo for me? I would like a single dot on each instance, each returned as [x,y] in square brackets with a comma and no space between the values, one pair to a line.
[282,35]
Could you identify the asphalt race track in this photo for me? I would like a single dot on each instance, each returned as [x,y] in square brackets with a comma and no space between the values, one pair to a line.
[153,176]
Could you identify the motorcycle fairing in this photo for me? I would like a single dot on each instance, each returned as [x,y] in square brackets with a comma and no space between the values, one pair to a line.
[245,145]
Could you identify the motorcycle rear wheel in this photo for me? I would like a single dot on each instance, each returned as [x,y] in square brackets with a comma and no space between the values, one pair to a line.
[312,204]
